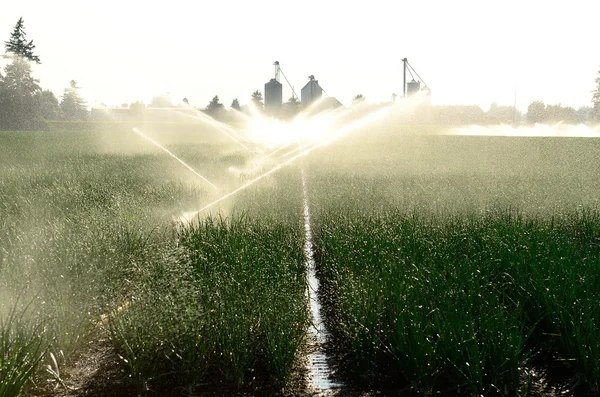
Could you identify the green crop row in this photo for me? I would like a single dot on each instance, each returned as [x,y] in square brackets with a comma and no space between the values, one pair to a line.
[76,216]
[462,303]
[228,304]
[86,229]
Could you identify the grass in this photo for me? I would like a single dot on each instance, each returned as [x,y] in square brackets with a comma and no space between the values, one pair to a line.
[23,344]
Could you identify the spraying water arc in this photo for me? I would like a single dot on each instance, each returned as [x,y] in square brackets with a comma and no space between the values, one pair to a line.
[341,133]
[137,131]
[222,128]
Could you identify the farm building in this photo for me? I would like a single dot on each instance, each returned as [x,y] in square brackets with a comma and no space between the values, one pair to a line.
[311,91]
[273,97]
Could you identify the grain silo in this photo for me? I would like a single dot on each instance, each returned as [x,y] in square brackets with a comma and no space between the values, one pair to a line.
[413,87]
[274,94]
[311,91]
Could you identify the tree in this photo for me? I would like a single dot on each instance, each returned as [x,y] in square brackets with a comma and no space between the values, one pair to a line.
[235,104]
[556,113]
[161,101]
[291,108]
[536,112]
[584,114]
[215,108]
[18,45]
[72,105]
[358,99]
[596,98]
[18,79]
[257,100]
[502,114]
[49,106]
[137,110]
[19,107]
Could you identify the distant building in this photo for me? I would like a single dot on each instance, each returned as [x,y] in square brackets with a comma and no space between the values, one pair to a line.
[310,92]
[273,97]
[413,87]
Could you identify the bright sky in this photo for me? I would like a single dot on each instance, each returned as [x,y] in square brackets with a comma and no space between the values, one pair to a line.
[467,51]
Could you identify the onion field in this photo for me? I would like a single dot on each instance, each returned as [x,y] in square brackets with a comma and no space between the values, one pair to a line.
[457,265]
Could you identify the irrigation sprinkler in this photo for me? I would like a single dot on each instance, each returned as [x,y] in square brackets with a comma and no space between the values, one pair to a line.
[340,134]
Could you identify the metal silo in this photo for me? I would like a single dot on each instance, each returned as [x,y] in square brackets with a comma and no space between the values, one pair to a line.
[274,94]
[413,87]
[311,91]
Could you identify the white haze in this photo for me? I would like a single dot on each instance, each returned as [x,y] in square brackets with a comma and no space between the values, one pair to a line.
[468,51]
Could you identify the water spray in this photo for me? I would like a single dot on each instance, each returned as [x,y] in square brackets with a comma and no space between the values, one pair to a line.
[137,131]
[298,149]
[220,127]
[252,170]
[340,134]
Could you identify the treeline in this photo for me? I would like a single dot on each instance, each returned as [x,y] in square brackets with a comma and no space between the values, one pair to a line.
[539,112]
[215,109]
[24,105]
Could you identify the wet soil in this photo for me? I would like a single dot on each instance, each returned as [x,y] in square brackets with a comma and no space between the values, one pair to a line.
[97,371]
[94,371]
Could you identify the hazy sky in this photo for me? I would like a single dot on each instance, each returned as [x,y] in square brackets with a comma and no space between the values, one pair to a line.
[468,52]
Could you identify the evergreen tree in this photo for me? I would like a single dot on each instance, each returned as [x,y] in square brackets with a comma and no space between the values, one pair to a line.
[291,108]
[72,105]
[596,98]
[358,99]
[257,100]
[49,106]
[236,105]
[18,80]
[18,45]
[215,108]
[19,107]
